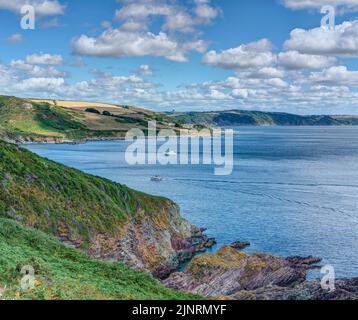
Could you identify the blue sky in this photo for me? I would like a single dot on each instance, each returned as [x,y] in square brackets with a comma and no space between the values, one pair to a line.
[185,55]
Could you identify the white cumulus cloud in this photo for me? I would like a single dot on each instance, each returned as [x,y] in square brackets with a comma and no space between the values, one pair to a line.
[335,76]
[119,43]
[44,58]
[318,4]
[251,55]
[342,41]
[296,60]
[42,7]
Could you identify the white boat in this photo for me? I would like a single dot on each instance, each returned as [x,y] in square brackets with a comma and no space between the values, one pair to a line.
[156,179]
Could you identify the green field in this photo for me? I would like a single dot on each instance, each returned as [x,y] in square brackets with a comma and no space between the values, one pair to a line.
[63,273]
[29,120]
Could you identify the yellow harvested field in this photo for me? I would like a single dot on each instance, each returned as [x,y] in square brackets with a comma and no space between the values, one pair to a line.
[77,104]
[82,105]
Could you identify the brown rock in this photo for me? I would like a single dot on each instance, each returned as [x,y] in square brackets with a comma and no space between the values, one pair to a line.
[232,274]
[229,271]
[309,262]
[155,244]
[240,245]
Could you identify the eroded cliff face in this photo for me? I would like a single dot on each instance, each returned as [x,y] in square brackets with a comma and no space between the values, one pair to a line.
[158,243]
[232,274]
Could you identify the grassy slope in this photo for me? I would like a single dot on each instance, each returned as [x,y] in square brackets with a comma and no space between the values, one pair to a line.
[65,201]
[22,119]
[260,118]
[19,119]
[64,273]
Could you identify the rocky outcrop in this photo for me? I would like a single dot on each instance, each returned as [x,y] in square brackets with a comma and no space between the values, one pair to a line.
[237,275]
[229,271]
[240,245]
[345,289]
[158,243]
[309,262]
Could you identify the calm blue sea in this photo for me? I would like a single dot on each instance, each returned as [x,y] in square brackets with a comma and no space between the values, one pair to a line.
[294,190]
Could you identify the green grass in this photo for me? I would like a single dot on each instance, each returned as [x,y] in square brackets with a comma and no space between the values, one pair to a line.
[66,202]
[26,124]
[64,273]
[38,120]
[21,119]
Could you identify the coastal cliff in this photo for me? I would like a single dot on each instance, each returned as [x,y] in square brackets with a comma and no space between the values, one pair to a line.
[97,216]
[158,244]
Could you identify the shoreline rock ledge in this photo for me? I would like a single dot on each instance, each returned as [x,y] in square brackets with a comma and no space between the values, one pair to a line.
[233,274]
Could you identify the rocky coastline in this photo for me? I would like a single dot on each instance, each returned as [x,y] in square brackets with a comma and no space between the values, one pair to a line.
[234,275]
[24,140]
[160,244]
[154,237]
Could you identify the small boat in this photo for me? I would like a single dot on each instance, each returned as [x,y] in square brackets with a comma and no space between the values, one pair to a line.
[156,179]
